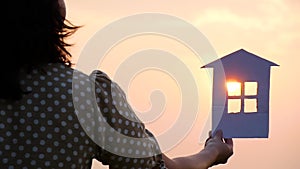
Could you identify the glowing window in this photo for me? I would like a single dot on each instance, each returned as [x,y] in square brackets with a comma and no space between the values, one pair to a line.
[234,88]
[250,105]
[250,88]
[234,105]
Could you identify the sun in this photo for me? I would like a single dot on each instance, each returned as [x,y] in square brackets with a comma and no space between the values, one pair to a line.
[233,88]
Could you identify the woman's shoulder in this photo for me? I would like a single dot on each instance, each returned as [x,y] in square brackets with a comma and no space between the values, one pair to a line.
[80,79]
[100,76]
[96,78]
[95,75]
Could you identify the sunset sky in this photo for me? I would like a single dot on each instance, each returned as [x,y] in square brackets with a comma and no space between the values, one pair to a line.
[268,28]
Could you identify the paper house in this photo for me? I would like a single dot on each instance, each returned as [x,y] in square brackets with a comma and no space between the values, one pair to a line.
[240,105]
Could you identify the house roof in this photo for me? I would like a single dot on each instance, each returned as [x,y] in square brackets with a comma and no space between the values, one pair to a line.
[239,53]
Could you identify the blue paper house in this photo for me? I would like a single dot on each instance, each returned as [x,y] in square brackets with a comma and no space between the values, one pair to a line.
[240,105]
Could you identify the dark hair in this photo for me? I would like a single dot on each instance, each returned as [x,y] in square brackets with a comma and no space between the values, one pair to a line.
[35,35]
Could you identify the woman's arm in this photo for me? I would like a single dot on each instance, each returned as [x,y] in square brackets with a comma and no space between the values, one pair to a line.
[216,151]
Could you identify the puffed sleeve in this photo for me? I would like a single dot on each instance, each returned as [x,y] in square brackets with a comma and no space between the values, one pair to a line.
[125,142]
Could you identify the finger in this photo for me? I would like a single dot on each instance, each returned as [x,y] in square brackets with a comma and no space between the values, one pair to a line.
[219,134]
[206,141]
[210,134]
[229,141]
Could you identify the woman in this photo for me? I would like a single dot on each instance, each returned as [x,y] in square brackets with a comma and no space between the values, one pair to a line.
[48,118]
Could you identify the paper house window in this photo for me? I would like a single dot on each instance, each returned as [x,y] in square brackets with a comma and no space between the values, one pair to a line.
[251,88]
[234,88]
[241,97]
[250,105]
[240,108]
[234,105]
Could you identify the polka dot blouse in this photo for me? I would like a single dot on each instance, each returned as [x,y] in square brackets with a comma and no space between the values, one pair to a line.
[67,119]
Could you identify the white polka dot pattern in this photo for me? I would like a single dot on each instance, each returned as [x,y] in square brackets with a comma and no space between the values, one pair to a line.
[53,128]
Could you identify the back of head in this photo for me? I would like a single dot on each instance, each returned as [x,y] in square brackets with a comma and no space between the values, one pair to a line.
[35,35]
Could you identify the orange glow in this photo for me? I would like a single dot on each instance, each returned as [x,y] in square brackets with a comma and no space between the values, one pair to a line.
[234,88]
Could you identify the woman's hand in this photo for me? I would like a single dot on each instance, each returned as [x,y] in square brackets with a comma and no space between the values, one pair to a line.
[217,150]
[222,146]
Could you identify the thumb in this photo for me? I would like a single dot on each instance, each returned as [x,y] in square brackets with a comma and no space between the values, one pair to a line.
[218,134]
